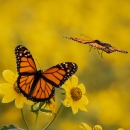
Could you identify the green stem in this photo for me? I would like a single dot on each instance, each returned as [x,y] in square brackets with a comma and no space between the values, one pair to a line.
[53,118]
[36,120]
[24,119]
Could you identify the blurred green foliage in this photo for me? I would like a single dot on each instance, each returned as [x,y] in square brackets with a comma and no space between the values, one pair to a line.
[40,26]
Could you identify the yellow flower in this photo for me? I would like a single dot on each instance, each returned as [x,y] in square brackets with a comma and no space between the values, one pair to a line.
[50,105]
[120,129]
[11,91]
[75,97]
[87,127]
[97,127]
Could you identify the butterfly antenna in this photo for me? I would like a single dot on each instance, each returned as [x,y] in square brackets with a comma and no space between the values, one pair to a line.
[86,36]
[38,63]
[67,38]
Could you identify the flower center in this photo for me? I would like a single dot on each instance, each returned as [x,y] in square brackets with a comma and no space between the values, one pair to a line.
[16,89]
[76,94]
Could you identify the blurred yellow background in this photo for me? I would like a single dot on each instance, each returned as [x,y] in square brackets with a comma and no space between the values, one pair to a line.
[40,26]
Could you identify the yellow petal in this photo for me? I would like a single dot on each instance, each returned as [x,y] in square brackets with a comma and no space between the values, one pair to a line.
[68,94]
[120,129]
[74,108]
[81,107]
[9,97]
[67,102]
[67,85]
[6,88]
[19,101]
[87,127]
[28,102]
[66,88]
[97,127]
[9,76]
[84,100]
[74,81]
[16,75]
[82,88]
[82,127]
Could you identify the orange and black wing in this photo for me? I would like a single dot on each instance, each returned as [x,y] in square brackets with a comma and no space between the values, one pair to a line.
[58,74]
[93,43]
[113,49]
[29,81]
[37,89]
[25,62]
[26,69]
[80,40]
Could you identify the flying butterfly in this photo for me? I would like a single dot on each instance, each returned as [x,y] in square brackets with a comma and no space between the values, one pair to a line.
[98,45]
[38,85]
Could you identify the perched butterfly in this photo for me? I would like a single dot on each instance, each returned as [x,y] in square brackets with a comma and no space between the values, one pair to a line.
[38,86]
[98,45]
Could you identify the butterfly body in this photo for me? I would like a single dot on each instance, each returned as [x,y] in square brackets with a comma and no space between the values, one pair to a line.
[98,45]
[102,43]
[105,46]
[38,85]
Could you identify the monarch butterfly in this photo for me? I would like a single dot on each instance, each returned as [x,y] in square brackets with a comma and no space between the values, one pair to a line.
[38,86]
[98,45]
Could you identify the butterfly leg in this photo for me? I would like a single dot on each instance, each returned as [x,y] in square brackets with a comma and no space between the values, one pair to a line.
[101,54]
[98,51]
[90,48]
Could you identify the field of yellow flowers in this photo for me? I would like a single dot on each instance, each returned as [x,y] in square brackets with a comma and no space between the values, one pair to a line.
[40,26]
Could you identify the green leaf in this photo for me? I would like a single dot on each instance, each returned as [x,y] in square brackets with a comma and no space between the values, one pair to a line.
[61,88]
[11,127]
[63,93]
[38,108]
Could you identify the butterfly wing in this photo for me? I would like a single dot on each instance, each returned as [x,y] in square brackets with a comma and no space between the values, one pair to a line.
[41,89]
[113,49]
[58,74]
[24,60]
[80,40]
[93,43]
[30,81]
[97,46]
[26,69]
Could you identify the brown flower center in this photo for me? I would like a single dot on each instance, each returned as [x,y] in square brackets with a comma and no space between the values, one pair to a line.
[16,89]
[76,93]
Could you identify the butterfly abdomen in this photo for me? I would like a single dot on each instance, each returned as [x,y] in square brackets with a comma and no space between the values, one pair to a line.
[37,76]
